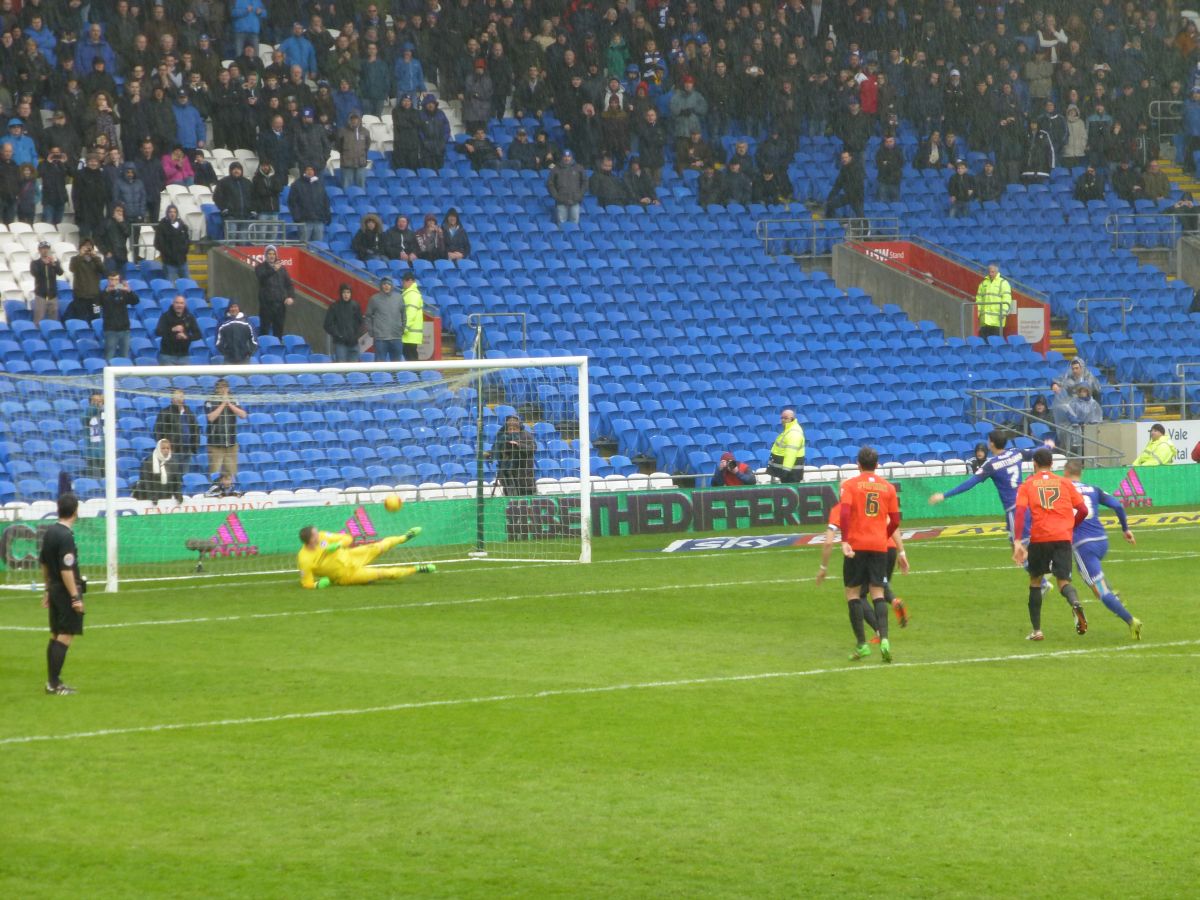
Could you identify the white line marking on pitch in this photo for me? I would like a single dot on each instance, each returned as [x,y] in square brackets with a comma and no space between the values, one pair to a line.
[576,692]
[475,601]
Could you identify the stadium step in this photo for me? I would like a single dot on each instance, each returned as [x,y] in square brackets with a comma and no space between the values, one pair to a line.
[1159,412]
[1179,179]
[1062,342]
[198,269]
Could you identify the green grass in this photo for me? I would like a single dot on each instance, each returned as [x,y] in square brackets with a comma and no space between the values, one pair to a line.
[1062,774]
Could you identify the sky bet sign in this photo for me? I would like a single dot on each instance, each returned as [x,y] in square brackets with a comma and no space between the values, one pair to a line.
[661,512]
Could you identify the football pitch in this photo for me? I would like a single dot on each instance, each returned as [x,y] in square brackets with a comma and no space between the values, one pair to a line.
[651,725]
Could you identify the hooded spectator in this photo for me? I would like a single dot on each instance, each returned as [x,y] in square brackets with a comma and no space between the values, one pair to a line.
[406,134]
[345,324]
[236,340]
[431,240]
[90,196]
[368,242]
[433,133]
[457,242]
[172,240]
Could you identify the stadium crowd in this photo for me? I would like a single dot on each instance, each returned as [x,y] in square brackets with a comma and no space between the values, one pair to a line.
[147,89]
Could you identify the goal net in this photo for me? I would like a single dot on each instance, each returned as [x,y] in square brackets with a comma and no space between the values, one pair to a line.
[489,458]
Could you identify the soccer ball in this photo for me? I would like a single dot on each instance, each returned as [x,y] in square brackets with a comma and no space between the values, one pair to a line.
[392,503]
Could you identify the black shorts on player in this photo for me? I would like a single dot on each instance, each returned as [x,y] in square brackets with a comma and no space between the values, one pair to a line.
[64,618]
[1053,557]
[865,567]
[892,553]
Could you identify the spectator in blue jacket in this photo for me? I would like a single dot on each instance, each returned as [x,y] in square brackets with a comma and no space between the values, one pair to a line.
[189,124]
[247,18]
[731,473]
[131,193]
[275,146]
[92,47]
[43,36]
[24,150]
[1191,131]
[345,101]
[298,51]
[374,81]
[409,74]
[433,133]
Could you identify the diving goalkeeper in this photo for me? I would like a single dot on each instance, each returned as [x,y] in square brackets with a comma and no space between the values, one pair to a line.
[327,558]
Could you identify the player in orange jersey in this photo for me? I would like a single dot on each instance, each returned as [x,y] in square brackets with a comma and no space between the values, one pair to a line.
[833,536]
[1055,507]
[870,516]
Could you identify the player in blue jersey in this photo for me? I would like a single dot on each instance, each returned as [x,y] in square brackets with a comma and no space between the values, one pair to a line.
[1003,467]
[1090,544]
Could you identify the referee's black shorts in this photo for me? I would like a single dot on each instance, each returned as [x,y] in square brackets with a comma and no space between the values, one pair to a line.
[64,619]
[1052,557]
[865,567]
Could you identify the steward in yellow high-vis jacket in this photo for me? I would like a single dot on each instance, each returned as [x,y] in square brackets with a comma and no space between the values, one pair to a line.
[787,453]
[993,303]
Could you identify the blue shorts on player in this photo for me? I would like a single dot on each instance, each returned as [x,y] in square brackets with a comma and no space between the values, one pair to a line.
[1089,559]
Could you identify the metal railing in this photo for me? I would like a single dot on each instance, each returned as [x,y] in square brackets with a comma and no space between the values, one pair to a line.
[1166,116]
[1084,305]
[810,238]
[1144,230]
[475,321]
[981,268]
[1071,440]
[260,231]
[236,250]
[1181,370]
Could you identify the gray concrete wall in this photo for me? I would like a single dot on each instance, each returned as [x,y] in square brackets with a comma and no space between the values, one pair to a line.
[232,278]
[919,299]
[1188,260]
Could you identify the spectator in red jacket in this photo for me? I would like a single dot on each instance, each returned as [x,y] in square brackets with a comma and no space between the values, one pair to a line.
[731,473]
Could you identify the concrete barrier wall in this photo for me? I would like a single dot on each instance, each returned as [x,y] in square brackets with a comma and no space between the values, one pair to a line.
[1188,260]
[885,284]
[233,278]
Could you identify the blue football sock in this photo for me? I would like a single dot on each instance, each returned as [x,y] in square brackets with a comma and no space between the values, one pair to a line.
[1116,607]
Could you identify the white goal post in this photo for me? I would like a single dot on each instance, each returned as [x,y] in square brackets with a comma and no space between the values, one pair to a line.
[459,495]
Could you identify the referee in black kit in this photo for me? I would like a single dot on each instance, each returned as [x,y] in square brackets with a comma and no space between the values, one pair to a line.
[64,590]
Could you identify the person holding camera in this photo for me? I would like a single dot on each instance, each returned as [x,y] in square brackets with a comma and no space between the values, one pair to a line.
[87,271]
[114,306]
[45,270]
[65,587]
[731,473]
[514,450]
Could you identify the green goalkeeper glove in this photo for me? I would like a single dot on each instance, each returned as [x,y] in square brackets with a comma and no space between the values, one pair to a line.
[323,583]
[412,532]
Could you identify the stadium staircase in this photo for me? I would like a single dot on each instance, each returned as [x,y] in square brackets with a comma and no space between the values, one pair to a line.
[1181,180]
[198,268]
